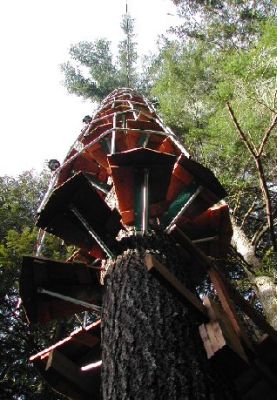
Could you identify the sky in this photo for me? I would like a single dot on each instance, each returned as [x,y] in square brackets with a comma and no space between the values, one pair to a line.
[39,120]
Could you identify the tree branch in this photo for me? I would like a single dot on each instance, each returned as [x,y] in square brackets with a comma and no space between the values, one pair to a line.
[248,213]
[267,201]
[267,134]
[251,148]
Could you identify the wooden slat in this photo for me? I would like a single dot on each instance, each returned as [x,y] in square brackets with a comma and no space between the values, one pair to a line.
[86,339]
[70,371]
[152,263]
[206,341]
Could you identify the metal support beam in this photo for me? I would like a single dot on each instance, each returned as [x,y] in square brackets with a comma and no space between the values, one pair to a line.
[92,232]
[69,299]
[141,201]
[205,240]
[145,201]
[113,134]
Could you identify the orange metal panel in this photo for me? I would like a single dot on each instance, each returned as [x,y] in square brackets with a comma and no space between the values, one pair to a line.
[168,146]
[124,167]
[93,134]
[180,179]
[123,179]
[144,125]
[213,222]
[100,155]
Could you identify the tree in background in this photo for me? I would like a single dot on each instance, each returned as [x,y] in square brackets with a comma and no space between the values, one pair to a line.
[93,74]
[224,23]
[19,200]
[127,54]
[222,100]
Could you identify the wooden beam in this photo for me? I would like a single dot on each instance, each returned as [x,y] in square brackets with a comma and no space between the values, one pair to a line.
[152,263]
[220,287]
[70,371]
[207,265]
[225,300]
[217,314]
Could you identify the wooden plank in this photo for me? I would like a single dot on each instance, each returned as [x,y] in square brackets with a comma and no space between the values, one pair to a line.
[216,313]
[225,300]
[86,339]
[206,340]
[215,336]
[152,263]
[70,371]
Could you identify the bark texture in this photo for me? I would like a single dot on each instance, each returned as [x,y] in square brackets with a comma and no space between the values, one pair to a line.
[267,292]
[151,345]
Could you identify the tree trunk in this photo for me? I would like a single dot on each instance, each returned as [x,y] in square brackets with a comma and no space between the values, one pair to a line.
[265,286]
[267,293]
[244,247]
[151,346]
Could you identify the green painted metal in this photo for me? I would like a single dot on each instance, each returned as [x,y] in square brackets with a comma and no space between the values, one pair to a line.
[143,140]
[106,146]
[178,203]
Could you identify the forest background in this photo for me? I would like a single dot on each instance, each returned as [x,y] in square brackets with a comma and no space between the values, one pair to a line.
[213,80]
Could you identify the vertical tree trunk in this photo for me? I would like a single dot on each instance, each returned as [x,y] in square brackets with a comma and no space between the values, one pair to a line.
[267,293]
[151,345]
[265,286]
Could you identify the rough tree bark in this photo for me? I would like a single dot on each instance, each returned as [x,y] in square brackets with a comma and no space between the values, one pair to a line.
[151,346]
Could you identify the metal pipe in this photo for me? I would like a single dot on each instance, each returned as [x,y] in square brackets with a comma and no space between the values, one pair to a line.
[169,228]
[145,198]
[92,232]
[92,366]
[113,134]
[69,299]
[206,239]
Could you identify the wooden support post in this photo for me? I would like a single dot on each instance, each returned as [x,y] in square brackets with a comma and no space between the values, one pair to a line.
[70,371]
[220,287]
[69,299]
[152,263]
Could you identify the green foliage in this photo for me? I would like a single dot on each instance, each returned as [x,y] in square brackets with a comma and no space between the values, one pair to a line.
[19,202]
[93,74]
[193,80]
[226,24]
[127,54]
